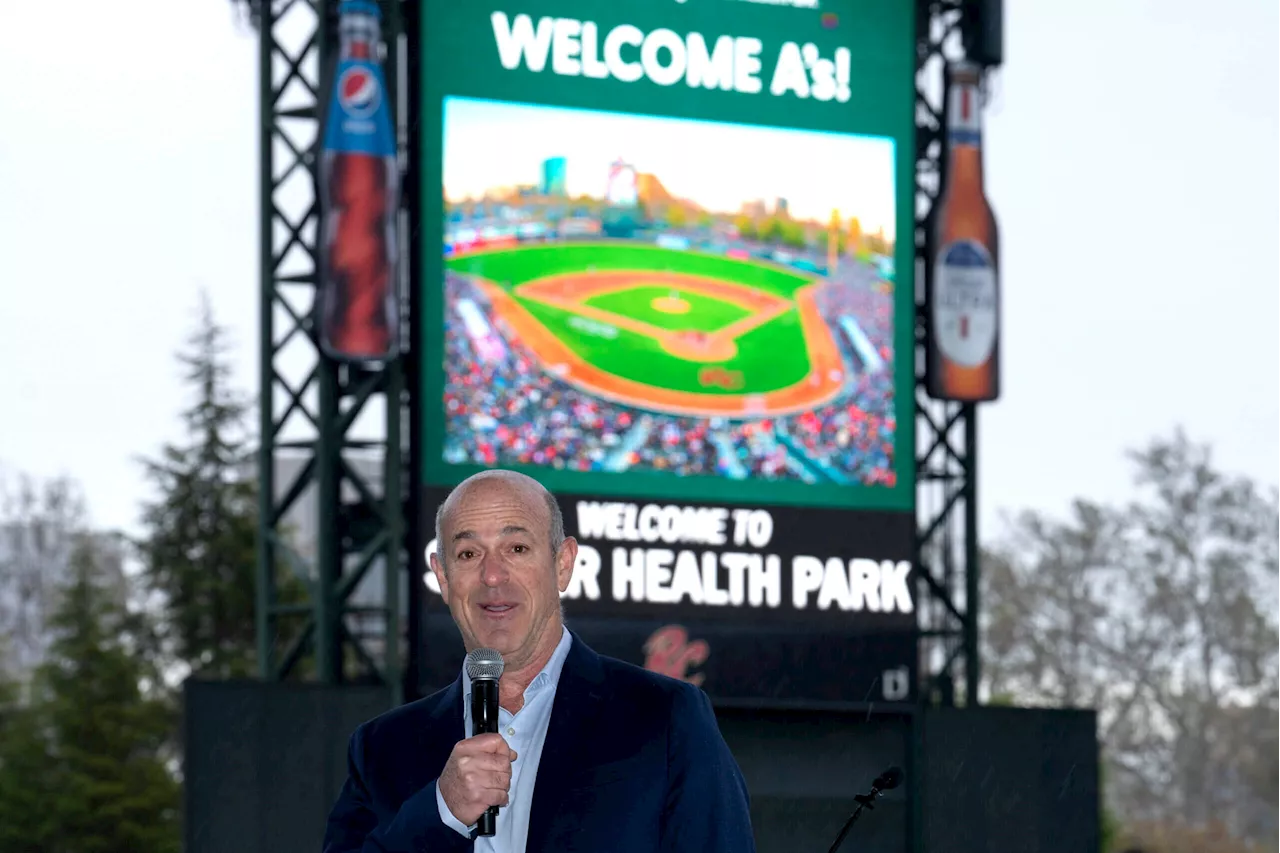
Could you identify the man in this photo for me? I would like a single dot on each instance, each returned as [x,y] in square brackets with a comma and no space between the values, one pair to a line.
[594,754]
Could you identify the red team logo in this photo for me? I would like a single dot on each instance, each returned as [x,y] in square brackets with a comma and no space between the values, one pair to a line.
[669,652]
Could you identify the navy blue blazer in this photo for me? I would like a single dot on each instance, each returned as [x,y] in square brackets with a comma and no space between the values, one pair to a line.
[633,763]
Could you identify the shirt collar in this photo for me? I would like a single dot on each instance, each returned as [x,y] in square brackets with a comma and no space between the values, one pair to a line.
[547,676]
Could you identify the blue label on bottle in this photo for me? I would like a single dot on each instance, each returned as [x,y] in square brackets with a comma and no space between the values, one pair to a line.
[359,120]
[359,7]
[962,136]
[966,253]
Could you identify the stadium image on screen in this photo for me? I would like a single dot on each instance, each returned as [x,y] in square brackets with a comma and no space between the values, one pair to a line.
[628,293]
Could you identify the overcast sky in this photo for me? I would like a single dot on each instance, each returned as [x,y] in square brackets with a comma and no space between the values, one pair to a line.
[1131,158]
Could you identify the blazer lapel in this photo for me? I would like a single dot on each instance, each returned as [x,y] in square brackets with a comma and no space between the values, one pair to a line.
[578,694]
[441,729]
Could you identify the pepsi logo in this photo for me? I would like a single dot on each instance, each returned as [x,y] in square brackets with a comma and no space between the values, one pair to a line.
[358,91]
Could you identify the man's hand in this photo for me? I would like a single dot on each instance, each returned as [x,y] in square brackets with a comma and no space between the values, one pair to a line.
[476,776]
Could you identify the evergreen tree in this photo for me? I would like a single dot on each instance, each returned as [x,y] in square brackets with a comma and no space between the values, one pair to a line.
[199,546]
[28,797]
[83,762]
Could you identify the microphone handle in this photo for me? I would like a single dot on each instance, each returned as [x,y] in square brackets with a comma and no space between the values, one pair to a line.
[863,801]
[484,720]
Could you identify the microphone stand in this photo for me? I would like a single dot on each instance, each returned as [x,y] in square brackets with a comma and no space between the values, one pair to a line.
[863,801]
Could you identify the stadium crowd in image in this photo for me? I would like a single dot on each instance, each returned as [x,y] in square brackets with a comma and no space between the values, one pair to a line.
[502,407]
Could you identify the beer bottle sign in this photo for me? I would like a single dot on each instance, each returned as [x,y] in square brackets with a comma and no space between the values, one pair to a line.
[962,355]
[356,294]
[964,308]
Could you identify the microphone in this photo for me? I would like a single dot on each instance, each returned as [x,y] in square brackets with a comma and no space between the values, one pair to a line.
[886,781]
[484,668]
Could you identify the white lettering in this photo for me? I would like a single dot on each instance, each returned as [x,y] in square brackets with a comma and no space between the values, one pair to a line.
[687,580]
[711,524]
[790,75]
[657,576]
[736,564]
[824,80]
[565,47]
[591,64]
[712,594]
[740,517]
[670,519]
[650,523]
[765,583]
[662,576]
[578,48]
[653,523]
[835,586]
[629,531]
[895,594]
[746,65]
[593,518]
[759,528]
[864,585]
[709,70]
[897,684]
[628,574]
[651,52]
[620,69]
[806,577]
[518,39]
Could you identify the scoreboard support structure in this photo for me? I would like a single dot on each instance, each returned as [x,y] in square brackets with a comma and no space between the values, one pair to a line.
[323,418]
[947,556]
[336,432]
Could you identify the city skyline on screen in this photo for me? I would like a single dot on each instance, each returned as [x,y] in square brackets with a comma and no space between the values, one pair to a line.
[496,145]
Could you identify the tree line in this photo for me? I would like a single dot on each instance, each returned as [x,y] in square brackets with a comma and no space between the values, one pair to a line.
[1160,613]
[98,630]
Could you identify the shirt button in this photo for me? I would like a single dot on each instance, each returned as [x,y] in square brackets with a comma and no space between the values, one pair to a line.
[511,731]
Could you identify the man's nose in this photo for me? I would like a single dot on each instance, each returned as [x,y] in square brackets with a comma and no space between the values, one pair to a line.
[492,571]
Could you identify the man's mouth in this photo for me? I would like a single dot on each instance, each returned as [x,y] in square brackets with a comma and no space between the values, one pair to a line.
[496,608]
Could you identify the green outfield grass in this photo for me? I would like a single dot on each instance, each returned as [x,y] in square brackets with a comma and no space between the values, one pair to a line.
[770,357]
[705,314]
[518,265]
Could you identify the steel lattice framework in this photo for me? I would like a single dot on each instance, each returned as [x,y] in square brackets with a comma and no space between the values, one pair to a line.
[946,433]
[338,432]
[331,450]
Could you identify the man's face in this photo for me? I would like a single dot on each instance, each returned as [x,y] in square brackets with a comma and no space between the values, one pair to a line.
[501,579]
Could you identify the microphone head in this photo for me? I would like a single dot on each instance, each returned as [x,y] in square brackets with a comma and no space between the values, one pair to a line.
[484,665]
[889,779]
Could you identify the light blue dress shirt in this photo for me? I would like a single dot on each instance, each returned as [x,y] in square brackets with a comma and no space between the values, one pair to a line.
[525,732]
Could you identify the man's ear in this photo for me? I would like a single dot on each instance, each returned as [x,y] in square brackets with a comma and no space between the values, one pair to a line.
[437,568]
[566,557]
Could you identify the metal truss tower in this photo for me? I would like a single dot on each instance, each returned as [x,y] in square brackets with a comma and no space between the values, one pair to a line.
[946,433]
[331,435]
[311,407]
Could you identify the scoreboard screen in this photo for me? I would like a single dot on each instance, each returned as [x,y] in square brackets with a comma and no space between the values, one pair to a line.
[666,270]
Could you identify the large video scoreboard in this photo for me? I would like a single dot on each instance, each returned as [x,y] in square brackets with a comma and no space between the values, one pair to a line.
[666,270]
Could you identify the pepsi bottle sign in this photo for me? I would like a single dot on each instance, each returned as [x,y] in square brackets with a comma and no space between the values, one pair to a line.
[359,92]
[359,120]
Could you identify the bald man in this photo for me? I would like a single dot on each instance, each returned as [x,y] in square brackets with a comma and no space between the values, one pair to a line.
[593,754]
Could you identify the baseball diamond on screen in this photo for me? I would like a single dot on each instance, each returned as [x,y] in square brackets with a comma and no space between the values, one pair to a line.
[664,304]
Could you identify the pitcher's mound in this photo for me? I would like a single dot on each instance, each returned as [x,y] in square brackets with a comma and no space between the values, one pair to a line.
[670,305]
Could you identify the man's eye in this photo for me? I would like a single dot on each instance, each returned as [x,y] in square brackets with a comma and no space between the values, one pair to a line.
[463,555]
[519,549]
